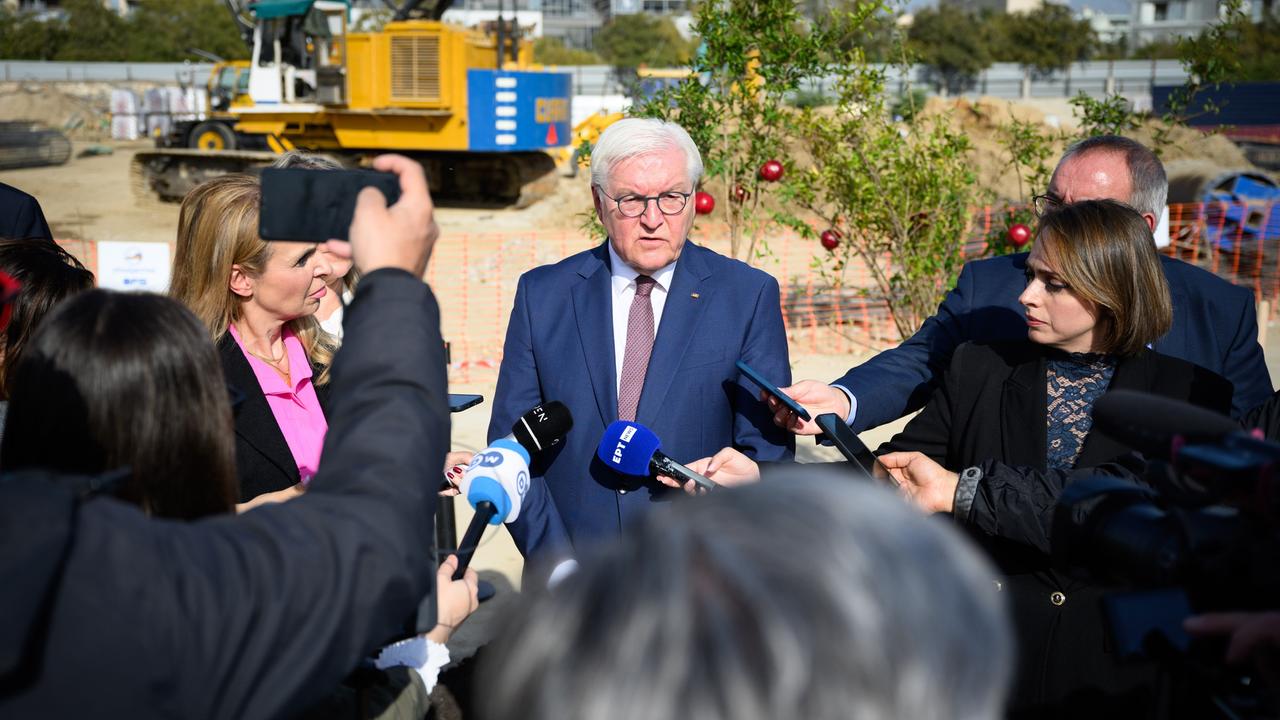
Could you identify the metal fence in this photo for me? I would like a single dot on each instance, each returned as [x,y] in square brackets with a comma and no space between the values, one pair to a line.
[1007,80]
[92,72]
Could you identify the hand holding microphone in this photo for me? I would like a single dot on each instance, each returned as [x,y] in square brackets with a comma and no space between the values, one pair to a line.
[633,449]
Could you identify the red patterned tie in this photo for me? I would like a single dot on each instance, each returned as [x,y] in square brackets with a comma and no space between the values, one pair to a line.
[635,360]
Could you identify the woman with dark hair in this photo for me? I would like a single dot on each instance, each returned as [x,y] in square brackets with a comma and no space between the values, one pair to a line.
[45,275]
[116,380]
[1095,300]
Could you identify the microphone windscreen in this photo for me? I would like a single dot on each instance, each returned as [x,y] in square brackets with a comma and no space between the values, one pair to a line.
[1148,423]
[499,474]
[628,448]
[543,426]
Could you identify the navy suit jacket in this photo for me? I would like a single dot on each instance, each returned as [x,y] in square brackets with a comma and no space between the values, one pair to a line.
[559,346]
[20,216]
[1215,326]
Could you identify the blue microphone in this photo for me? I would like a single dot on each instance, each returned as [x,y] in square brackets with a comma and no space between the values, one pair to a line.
[494,484]
[497,479]
[633,449]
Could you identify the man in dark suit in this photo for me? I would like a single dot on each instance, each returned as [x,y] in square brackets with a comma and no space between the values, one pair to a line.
[114,614]
[645,327]
[1214,322]
[20,216]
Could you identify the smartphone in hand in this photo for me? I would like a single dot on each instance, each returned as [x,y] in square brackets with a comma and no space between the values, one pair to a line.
[772,390]
[316,205]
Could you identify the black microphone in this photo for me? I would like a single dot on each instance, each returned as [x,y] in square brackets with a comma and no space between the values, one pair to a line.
[1155,426]
[498,477]
[1208,455]
[633,449]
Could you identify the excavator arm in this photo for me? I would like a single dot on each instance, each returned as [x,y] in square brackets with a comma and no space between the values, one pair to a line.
[242,19]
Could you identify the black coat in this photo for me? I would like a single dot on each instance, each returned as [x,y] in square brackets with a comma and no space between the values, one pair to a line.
[992,406]
[20,216]
[1265,417]
[264,462]
[111,614]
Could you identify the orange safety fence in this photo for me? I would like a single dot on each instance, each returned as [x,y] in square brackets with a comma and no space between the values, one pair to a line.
[474,276]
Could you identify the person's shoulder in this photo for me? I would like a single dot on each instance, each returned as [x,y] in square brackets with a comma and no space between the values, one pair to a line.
[994,353]
[1168,365]
[581,263]
[11,194]
[740,272]
[1203,284]
[1199,381]
[997,264]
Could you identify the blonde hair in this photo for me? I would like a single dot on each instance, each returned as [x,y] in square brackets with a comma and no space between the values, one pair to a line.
[218,228]
[1104,251]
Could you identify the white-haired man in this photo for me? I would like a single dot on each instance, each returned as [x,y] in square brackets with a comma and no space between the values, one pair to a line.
[644,327]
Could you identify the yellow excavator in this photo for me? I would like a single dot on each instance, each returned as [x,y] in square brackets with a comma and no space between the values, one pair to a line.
[469,105]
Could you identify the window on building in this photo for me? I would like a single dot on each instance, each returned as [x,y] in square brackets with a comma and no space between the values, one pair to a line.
[1162,12]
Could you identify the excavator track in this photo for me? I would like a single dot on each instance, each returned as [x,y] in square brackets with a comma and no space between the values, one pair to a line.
[490,179]
[168,175]
[25,144]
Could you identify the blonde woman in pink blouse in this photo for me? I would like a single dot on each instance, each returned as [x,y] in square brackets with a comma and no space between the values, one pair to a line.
[258,299]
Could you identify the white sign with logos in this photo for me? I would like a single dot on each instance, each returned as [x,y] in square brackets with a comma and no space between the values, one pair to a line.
[134,266]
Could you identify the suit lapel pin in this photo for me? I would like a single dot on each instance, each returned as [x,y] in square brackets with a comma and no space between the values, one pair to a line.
[694,296]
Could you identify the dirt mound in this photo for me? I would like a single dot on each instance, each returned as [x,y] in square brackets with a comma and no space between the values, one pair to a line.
[1186,143]
[984,119]
[82,117]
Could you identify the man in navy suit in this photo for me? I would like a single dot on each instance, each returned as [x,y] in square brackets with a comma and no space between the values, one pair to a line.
[644,327]
[1214,322]
[20,216]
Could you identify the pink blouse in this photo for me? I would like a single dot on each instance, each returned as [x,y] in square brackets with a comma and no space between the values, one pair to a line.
[297,410]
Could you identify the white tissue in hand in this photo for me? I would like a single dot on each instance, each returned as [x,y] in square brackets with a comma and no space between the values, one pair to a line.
[406,653]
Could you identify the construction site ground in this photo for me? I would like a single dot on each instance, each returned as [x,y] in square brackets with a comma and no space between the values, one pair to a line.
[90,199]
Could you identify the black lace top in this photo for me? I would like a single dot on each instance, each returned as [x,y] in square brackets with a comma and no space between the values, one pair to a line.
[1074,382]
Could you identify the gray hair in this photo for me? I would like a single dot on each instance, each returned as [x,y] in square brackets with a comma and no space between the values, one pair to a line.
[305,161]
[634,137]
[807,596]
[1149,186]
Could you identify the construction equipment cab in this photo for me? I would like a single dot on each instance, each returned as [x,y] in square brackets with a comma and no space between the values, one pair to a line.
[298,50]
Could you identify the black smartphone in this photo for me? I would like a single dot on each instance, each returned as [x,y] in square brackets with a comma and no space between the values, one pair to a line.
[316,205]
[852,447]
[772,390]
[459,402]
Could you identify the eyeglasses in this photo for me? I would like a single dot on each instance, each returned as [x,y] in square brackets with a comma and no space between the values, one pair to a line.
[671,202]
[1045,203]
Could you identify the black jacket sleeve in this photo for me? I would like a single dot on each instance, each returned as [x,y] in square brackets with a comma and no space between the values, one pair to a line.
[259,615]
[1017,503]
[1265,417]
[930,431]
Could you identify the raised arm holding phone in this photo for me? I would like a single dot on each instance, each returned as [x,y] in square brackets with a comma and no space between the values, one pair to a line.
[256,615]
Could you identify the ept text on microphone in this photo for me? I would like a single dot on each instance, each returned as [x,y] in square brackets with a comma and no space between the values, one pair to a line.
[633,449]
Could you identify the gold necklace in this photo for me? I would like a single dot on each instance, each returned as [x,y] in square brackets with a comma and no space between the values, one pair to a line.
[273,362]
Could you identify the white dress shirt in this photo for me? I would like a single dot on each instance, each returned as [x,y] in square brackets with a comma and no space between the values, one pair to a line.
[624,291]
